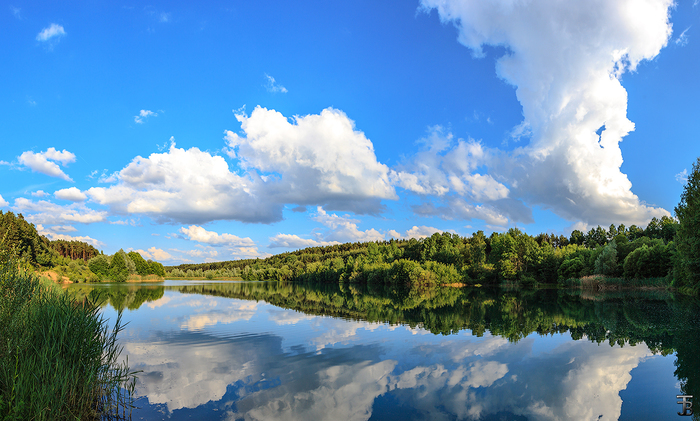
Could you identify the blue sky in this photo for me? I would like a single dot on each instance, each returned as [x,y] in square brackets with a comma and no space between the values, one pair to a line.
[231,130]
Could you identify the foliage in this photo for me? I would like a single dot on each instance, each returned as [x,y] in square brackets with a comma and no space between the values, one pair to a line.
[58,357]
[100,265]
[74,249]
[141,265]
[22,235]
[118,270]
[687,265]
[606,263]
[513,257]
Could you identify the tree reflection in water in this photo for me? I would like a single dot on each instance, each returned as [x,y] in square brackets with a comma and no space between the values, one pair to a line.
[491,372]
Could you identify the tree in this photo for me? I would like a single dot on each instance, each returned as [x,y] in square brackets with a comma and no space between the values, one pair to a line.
[142,267]
[577,237]
[117,269]
[99,265]
[606,263]
[687,267]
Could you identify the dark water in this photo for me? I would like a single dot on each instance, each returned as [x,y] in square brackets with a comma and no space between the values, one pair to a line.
[266,351]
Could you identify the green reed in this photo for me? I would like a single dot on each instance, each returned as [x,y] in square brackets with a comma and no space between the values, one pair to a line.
[58,357]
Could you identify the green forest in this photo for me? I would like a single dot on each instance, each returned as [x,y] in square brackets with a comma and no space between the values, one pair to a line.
[75,260]
[664,253]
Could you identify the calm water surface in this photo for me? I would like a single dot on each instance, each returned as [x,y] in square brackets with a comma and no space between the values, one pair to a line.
[267,351]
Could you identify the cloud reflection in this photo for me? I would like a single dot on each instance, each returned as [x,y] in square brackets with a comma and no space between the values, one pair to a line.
[252,376]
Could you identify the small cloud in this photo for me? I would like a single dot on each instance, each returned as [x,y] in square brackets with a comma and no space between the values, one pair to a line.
[55,32]
[63,228]
[3,202]
[164,17]
[42,162]
[4,162]
[199,234]
[108,178]
[415,232]
[682,39]
[155,254]
[143,115]
[39,193]
[682,177]
[72,194]
[272,86]
[132,222]
[522,130]
[30,101]
[45,212]
[294,241]
[92,175]
[16,12]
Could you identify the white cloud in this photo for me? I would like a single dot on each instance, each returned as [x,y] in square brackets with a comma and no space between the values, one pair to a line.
[446,166]
[73,194]
[16,11]
[682,177]
[54,31]
[156,254]
[196,233]
[206,253]
[318,159]
[45,212]
[143,116]
[682,39]
[52,235]
[42,162]
[292,241]
[189,186]
[272,86]
[3,202]
[415,232]
[458,208]
[344,229]
[63,228]
[39,193]
[565,61]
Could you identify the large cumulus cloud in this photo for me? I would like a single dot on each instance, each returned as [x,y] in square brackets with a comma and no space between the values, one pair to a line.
[315,160]
[565,60]
[318,159]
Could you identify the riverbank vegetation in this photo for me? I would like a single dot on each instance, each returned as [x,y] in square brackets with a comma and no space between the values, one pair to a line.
[58,357]
[665,253]
[618,256]
[74,261]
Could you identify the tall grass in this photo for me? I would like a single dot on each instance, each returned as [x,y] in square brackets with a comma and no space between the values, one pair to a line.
[600,282]
[58,357]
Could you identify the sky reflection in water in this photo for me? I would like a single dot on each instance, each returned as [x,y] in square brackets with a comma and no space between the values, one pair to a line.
[222,358]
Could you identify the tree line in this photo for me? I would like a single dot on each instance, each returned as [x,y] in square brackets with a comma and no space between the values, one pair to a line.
[76,260]
[666,252]
[511,257]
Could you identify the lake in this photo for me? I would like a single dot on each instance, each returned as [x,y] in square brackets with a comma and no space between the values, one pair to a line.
[266,351]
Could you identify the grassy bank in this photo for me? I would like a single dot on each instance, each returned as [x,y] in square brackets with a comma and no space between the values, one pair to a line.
[205,278]
[58,357]
[600,282]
